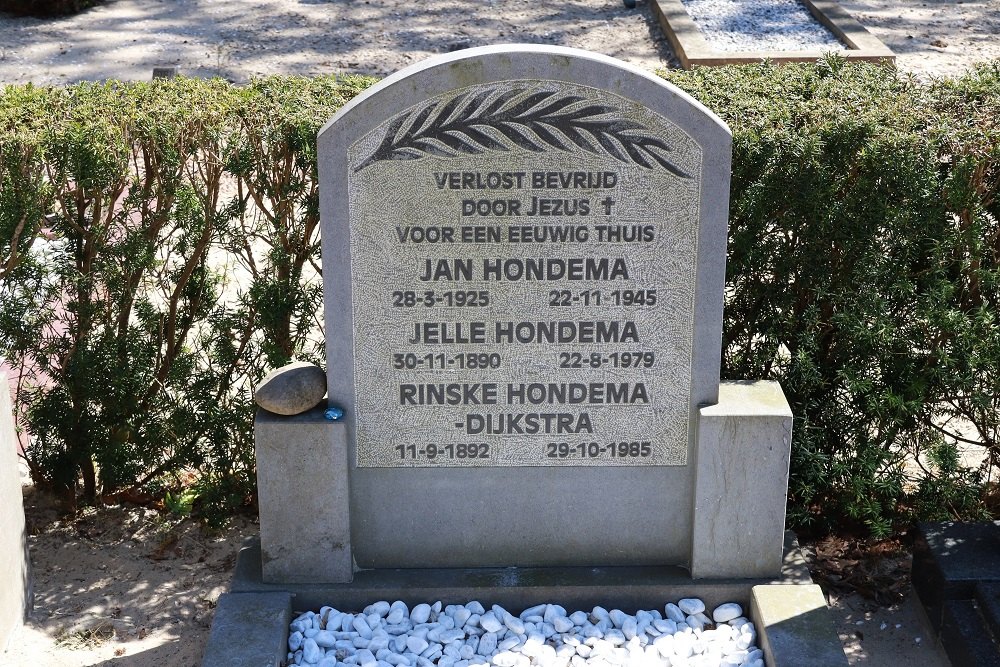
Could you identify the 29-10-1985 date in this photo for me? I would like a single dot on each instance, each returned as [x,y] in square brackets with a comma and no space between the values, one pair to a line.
[593,450]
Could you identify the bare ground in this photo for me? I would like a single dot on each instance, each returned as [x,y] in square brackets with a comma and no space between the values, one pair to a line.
[129,587]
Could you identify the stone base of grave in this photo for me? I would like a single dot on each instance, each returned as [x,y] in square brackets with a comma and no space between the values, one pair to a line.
[693,49]
[793,622]
[956,575]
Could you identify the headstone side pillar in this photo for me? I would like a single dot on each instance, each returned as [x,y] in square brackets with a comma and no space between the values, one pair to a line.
[15,591]
[741,477]
[303,492]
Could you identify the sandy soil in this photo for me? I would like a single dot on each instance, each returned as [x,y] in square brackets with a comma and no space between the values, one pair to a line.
[127,587]
[238,39]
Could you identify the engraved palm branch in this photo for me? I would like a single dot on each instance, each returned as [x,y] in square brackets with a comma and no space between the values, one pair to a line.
[538,121]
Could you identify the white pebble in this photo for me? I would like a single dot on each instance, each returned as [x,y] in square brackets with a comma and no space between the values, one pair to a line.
[420,614]
[391,635]
[727,612]
[417,644]
[562,624]
[311,653]
[691,605]
[674,613]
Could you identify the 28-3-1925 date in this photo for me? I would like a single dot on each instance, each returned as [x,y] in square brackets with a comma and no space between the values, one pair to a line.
[451,298]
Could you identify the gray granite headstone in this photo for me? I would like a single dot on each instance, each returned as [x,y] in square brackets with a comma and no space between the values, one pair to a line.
[524,260]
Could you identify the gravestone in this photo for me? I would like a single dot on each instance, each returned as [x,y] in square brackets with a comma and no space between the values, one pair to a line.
[524,264]
[15,591]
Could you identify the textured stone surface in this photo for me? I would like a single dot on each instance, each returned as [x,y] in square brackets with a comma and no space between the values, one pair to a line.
[404,525]
[796,627]
[249,630]
[305,525]
[291,389]
[950,559]
[15,581]
[742,455]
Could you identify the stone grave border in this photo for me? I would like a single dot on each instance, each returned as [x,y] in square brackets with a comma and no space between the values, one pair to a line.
[794,625]
[693,48]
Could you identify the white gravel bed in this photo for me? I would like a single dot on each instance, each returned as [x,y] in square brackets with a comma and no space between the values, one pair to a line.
[760,25]
[429,635]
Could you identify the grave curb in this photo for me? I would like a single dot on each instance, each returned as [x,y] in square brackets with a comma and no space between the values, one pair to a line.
[693,49]
[249,630]
[790,612]
[956,577]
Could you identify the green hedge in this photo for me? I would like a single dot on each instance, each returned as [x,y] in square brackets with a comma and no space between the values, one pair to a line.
[165,254]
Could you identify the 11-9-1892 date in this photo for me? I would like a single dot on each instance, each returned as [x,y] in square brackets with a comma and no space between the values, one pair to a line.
[433,451]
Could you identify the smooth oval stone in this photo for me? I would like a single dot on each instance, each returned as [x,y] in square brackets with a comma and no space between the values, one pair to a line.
[325,639]
[417,644]
[361,627]
[578,617]
[739,622]
[461,616]
[295,641]
[507,644]
[537,610]
[395,616]
[515,624]
[664,625]
[400,629]
[476,607]
[451,635]
[674,613]
[617,617]
[381,608]
[691,605]
[562,624]
[487,643]
[490,622]
[420,614]
[292,389]
[311,652]
[630,628]
[727,612]
[552,612]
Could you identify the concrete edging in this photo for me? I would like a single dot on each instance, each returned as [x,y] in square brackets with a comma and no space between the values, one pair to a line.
[793,622]
[692,48]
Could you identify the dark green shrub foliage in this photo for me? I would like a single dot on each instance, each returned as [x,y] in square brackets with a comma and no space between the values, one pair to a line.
[159,252]
[45,7]
[181,216]
[864,260]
